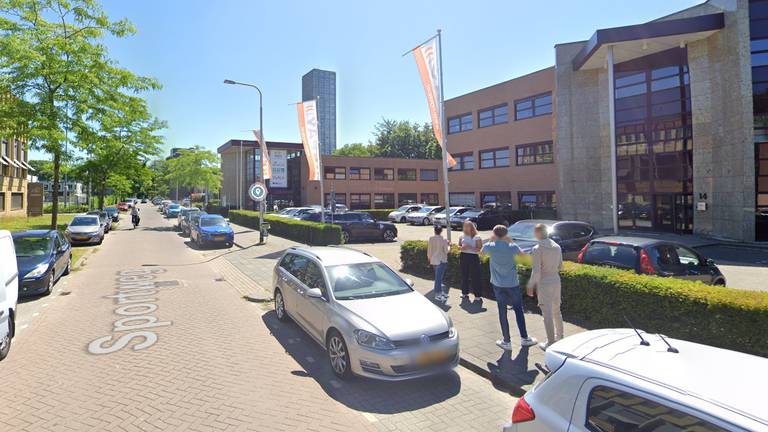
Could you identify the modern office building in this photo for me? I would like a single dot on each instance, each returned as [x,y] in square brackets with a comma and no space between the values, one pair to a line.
[501,138]
[681,103]
[13,177]
[321,84]
[357,182]
[75,192]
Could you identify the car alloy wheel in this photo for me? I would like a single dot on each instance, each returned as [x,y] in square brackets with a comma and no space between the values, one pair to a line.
[5,342]
[389,235]
[49,288]
[280,306]
[338,355]
[68,268]
[344,237]
[425,221]
[402,219]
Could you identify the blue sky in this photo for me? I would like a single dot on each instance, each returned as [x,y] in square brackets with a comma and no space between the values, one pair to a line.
[191,46]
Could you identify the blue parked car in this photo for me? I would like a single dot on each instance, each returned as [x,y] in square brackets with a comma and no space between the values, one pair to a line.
[173,211]
[43,256]
[210,229]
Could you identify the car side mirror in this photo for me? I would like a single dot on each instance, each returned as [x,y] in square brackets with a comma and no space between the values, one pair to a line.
[314,293]
[409,281]
[710,262]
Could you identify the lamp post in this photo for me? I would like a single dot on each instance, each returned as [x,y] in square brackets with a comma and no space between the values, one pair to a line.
[261,138]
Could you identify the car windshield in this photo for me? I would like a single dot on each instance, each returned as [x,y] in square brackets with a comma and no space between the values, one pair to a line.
[213,222]
[472,213]
[365,280]
[426,209]
[85,221]
[32,246]
[110,210]
[522,231]
[174,206]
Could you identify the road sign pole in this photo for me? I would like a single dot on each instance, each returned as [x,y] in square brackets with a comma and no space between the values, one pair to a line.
[258,193]
[261,222]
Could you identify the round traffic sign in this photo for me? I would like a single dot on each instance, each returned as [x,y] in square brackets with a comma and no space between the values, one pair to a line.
[257,191]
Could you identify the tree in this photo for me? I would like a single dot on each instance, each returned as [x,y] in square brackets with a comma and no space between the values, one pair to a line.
[356,150]
[195,168]
[43,169]
[53,62]
[402,139]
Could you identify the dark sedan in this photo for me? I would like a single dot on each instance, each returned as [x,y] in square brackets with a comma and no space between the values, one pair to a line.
[485,219]
[653,257]
[359,226]
[570,235]
[43,256]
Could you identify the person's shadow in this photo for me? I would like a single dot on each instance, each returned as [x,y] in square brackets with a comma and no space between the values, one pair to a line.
[512,372]
[473,307]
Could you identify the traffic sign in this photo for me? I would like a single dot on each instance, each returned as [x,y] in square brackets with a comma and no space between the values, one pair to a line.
[257,192]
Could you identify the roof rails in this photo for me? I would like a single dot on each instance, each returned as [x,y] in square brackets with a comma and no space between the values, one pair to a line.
[305,250]
[352,249]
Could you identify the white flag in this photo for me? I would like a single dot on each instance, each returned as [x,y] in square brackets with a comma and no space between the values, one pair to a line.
[309,136]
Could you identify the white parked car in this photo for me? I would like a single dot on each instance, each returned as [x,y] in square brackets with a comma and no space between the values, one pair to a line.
[290,212]
[425,216]
[439,218]
[371,322]
[400,214]
[9,292]
[610,380]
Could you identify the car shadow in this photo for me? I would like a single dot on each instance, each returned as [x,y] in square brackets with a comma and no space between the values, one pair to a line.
[158,228]
[361,394]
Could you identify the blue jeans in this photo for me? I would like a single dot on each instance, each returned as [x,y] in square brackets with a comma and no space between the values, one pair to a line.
[506,296]
[439,272]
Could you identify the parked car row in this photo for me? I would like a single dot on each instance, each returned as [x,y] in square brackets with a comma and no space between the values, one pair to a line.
[356,226]
[203,229]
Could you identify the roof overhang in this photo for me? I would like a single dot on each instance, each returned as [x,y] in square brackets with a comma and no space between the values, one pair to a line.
[631,42]
[236,144]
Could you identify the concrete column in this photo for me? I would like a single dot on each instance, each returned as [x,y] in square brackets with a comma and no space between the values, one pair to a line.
[612,140]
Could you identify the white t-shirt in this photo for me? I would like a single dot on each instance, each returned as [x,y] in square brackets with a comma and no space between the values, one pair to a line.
[472,241]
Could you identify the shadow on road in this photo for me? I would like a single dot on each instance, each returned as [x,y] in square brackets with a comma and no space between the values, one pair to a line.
[732,255]
[512,370]
[362,394]
[171,228]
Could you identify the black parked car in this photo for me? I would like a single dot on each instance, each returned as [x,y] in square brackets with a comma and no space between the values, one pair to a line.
[43,256]
[485,219]
[570,235]
[358,226]
[113,213]
[651,256]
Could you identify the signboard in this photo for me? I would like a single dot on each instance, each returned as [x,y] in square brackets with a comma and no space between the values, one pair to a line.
[257,192]
[279,159]
[34,199]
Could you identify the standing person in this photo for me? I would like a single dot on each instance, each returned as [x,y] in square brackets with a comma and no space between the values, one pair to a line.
[545,281]
[437,252]
[470,245]
[506,288]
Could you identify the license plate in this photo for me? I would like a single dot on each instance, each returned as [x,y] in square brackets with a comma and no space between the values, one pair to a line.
[220,238]
[432,357]
[80,238]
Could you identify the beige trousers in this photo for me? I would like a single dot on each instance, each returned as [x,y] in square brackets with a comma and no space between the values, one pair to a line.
[553,320]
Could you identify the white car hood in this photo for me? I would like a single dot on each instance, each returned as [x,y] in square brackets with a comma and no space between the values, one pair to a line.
[399,317]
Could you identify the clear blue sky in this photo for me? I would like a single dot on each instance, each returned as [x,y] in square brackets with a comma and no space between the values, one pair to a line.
[192,45]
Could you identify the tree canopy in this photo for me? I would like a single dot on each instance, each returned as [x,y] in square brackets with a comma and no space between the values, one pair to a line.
[356,150]
[194,168]
[397,139]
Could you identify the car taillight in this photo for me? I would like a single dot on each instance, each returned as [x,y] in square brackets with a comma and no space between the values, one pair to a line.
[645,263]
[580,258]
[522,412]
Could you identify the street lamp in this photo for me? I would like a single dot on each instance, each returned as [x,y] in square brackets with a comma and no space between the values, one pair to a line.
[261,138]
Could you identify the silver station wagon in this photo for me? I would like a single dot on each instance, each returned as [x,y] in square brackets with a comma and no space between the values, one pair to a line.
[371,322]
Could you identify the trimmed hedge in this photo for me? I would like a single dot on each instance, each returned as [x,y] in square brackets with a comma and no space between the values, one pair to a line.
[723,317]
[213,208]
[378,214]
[311,233]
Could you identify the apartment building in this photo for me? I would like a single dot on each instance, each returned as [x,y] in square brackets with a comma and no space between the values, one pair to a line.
[13,177]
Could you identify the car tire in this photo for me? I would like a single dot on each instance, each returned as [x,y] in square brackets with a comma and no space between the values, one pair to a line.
[280,312]
[338,355]
[402,219]
[719,282]
[425,222]
[5,343]
[51,281]
[68,268]
[388,235]
[101,240]
[344,237]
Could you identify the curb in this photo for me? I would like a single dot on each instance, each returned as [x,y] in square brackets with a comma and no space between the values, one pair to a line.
[81,262]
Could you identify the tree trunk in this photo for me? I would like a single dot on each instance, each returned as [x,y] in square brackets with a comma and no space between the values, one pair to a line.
[102,194]
[55,194]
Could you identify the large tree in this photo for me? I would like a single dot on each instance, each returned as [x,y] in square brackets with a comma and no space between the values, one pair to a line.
[54,63]
[402,139]
[356,150]
[195,168]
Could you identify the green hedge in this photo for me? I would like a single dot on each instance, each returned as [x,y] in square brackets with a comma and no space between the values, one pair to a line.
[72,208]
[311,233]
[602,296]
[378,214]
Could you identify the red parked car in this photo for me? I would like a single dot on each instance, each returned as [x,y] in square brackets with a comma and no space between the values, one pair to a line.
[122,206]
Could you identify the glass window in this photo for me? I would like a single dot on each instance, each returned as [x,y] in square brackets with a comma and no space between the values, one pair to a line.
[543,199]
[428,174]
[17,201]
[464,162]
[466,199]
[367,280]
[533,154]
[408,174]
[492,116]
[430,198]
[383,173]
[495,198]
[610,410]
[341,198]
[383,200]
[494,158]
[406,198]
[460,123]
[313,276]
[533,106]
[359,201]
[335,173]
[359,173]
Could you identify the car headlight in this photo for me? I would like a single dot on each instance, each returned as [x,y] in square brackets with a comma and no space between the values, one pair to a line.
[370,340]
[37,271]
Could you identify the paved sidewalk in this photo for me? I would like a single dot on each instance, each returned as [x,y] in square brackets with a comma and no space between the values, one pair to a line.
[513,371]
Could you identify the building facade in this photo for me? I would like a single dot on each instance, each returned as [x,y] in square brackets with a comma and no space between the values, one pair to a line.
[501,137]
[357,182]
[675,102]
[13,177]
[321,84]
[75,192]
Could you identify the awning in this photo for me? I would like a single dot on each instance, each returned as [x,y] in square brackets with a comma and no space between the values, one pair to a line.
[25,165]
[635,41]
[4,160]
[16,163]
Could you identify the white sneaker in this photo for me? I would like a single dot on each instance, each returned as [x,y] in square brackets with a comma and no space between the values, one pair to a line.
[506,346]
[528,341]
[544,345]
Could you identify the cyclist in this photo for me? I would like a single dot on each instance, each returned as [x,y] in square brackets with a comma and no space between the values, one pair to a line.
[135,216]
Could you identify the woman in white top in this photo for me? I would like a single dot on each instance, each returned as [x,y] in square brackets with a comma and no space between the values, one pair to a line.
[437,253]
[470,245]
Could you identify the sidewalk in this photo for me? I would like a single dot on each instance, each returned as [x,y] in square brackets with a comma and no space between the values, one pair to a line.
[478,325]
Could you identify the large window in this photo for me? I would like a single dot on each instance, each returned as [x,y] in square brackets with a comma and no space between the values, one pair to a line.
[466,199]
[341,198]
[359,201]
[383,200]
[610,409]
[758,26]
[545,199]
[335,173]
[2,201]
[533,106]
[493,116]
[495,198]
[460,123]
[406,198]
[359,173]
[464,162]
[406,174]
[494,158]
[534,154]
[383,173]
[428,174]
[430,198]
[17,201]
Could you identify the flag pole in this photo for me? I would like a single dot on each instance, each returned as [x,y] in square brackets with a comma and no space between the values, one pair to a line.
[443,136]
[320,175]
